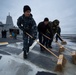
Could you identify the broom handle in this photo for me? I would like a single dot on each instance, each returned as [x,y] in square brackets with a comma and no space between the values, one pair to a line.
[46,36]
[65,48]
[68,49]
[50,39]
[59,44]
[43,46]
[59,36]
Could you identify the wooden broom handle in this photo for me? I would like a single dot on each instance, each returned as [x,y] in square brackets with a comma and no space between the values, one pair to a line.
[50,39]
[59,44]
[43,46]
[46,36]
[59,35]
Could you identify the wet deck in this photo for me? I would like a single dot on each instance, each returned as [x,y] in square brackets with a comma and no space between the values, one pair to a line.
[38,61]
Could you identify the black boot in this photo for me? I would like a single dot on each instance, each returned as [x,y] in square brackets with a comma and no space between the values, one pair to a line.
[24,55]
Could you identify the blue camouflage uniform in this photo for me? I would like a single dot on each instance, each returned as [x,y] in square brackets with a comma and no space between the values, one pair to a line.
[27,24]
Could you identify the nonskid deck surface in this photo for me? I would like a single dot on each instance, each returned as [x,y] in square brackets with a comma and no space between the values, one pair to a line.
[43,60]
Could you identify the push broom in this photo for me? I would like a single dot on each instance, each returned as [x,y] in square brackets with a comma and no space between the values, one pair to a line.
[73,53]
[61,60]
[63,42]
[61,48]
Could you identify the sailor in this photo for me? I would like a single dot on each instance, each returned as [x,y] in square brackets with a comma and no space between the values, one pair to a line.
[27,24]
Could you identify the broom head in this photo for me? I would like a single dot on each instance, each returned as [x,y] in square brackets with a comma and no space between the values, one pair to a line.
[63,42]
[61,49]
[74,57]
[60,63]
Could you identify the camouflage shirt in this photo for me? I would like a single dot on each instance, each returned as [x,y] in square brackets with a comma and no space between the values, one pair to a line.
[27,24]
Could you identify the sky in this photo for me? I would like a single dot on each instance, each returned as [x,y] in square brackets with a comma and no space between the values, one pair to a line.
[63,10]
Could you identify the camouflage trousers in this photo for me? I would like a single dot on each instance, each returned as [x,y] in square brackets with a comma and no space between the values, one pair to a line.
[27,42]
